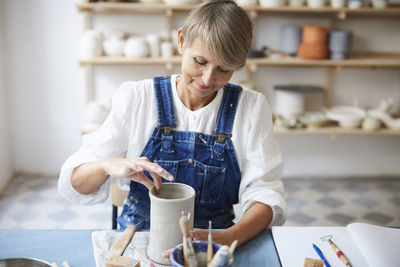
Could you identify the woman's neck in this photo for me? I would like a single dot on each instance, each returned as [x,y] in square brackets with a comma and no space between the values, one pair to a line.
[191,101]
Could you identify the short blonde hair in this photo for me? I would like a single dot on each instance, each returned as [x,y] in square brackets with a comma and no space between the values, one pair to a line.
[225,29]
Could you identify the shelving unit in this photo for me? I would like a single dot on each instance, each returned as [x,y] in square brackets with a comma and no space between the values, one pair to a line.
[358,60]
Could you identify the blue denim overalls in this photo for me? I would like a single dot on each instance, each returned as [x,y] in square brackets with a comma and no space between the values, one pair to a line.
[205,162]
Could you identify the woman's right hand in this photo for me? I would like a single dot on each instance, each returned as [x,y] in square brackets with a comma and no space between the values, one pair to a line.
[134,169]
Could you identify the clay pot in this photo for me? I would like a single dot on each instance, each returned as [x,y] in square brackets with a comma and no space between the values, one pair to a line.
[313,34]
[165,211]
[314,42]
[313,51]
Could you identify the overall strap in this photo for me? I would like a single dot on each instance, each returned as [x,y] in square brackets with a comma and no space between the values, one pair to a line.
[227,111]
[165,103]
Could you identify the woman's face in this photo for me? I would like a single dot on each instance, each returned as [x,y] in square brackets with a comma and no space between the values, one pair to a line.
[203,75]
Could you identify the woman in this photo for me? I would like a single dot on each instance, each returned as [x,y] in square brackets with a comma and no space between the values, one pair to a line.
[193,128]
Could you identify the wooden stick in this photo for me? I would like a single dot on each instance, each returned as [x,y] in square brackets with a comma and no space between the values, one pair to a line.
[184,224]
[119,246]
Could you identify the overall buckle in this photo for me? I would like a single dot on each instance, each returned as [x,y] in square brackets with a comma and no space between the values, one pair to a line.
[167,129]
[222,137]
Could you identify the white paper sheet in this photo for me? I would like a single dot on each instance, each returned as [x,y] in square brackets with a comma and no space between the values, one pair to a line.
[379,245]
[294,244]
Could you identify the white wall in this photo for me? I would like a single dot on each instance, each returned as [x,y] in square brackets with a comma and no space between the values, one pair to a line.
[44,81]
[46,88]
[5,159]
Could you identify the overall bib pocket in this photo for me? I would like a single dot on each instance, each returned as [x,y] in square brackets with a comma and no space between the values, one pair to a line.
[207,180]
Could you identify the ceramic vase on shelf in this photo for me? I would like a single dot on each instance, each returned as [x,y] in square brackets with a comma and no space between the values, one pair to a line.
[272,3]
[314,42]
[316,3]
[379,3]
[340,42]
[290,39]
[338,3]
[246,2]
[296,3]
[355,4]
[90,44]
[153,41]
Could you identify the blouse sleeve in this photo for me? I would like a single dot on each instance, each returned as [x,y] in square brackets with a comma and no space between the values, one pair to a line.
[263,164]
[110,140]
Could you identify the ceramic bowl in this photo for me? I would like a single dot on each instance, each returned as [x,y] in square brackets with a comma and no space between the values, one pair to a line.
[346,116]
[385,117]
[200,248]
[313,119]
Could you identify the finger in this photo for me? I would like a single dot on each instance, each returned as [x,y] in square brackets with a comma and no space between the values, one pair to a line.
[156,168]
[157,181]
[143,179]
[167,253]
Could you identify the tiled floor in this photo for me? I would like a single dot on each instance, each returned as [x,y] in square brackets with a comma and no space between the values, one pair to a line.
[34,203]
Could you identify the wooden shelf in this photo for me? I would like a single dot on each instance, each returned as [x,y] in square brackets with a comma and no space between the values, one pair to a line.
[334,130]
[342,13]
[360,60]
[108,60]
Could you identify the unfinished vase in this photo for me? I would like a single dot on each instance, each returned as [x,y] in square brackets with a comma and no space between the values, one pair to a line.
[165,210]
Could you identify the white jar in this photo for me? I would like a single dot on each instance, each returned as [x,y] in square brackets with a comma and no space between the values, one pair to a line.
[153,40]
[90,44]
[337,3]
[246,2]
[316,3]
[272,3]
[167,49]
[136,47]
[296,3]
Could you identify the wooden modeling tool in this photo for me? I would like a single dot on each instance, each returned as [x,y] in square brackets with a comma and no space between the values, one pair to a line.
[188,251]
[220,258]
[338,252]
[210,252]
[114,255]
[142,256]
[232,250]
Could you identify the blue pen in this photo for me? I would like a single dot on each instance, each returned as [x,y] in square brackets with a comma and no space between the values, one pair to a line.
[319,252]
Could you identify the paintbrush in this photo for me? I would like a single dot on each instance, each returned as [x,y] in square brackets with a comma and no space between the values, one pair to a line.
[188,251]
[210,252]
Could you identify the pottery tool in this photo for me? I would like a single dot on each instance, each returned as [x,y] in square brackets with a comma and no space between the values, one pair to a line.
[321,255]
[220,258]
[188,251]
[142,256]
[335,248]
[210,252]
[232,250]
[114,255]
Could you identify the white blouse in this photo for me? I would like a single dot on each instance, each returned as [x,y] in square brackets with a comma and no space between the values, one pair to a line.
[133,117]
